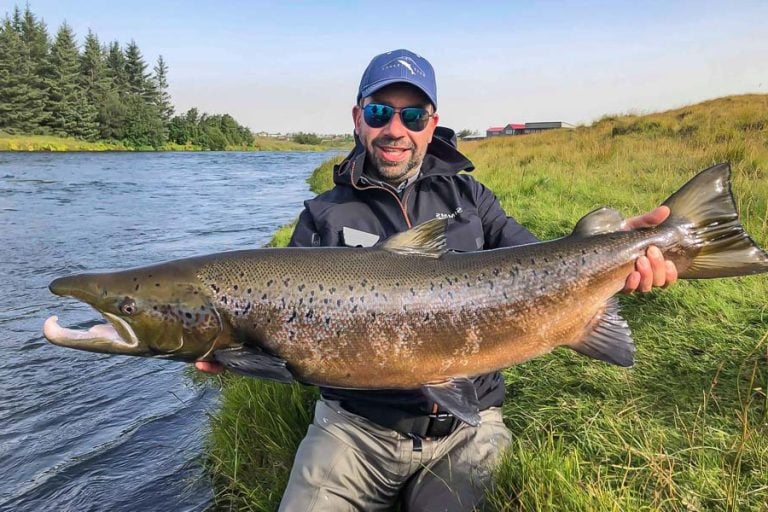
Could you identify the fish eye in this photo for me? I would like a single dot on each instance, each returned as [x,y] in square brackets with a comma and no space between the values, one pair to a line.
[128,306]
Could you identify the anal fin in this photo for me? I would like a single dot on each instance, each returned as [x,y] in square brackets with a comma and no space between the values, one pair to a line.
[254,363]
[457,396]
[610,340]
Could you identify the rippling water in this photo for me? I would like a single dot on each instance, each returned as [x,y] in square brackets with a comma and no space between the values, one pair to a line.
[82,431]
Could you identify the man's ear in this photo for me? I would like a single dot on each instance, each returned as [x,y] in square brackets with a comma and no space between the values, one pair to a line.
[434,120]
[356,118]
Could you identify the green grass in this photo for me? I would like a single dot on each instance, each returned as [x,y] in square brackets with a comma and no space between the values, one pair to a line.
[22,142]
[686,429]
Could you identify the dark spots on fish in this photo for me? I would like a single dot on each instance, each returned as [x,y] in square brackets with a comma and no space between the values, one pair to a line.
[327,321]
[373,315]
[431,286]
[397,283]
[301,301]
[448,279]
[235,287]
[595,251]
[154,307]
[542,289]
[466,276]
[188,314]
[242,275]
[202,307]
[349,374]
[157,285]
[490,283]
[469,285]
[248,291]
[338,303]
[496,272]
[195,292]
[354,309]
[224,299]
[269,283]
[301,287]
[351,300]
[376,294]
[149,276]
[291,335]
[293,316]
[135,279]
[426,317]
[546,260]
[450,295]
[364,283]
[285,282]
[405,307]
[332,290]
[215,288]
[351,287]
[583,261]
[583,251]
[533,261]
[325,301]
[320,286]
[533,271]
[373,287]
[413,292]
[311,300]
[312,293]
[309,314]
[338,334]
[136,288]
[362,299]
[546,272]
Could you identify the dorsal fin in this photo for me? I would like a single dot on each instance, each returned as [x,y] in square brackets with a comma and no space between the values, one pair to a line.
[427,239]
[602,220]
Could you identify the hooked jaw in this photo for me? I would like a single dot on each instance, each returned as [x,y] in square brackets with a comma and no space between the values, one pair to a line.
[102,338]
[114,337]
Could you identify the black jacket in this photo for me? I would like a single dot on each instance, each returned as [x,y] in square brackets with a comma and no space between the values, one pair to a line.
[361,204]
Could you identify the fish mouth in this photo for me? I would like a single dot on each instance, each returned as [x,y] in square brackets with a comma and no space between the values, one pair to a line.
[109,337]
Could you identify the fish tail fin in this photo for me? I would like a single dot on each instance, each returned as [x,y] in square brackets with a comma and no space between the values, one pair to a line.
[609,339]
[706,209]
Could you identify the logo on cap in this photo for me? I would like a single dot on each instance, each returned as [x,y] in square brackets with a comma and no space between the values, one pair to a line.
[406,62]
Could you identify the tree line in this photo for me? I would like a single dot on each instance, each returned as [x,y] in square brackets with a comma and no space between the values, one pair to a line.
[104,92]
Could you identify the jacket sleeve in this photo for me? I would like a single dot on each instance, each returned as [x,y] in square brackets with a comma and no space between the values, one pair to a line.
[305,233]
[499,230]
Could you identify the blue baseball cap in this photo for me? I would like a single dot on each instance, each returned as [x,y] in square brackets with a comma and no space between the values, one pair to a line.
[399,66]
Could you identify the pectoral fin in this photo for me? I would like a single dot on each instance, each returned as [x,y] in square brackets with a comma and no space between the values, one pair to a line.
[457,396]
[610,339]
[254,363]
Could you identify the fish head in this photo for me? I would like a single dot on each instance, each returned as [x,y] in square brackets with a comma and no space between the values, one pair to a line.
[152,312]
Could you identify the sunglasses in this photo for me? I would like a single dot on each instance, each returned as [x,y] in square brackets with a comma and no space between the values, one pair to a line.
[377,115]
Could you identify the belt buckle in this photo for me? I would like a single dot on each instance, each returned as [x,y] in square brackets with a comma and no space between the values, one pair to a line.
[440,425]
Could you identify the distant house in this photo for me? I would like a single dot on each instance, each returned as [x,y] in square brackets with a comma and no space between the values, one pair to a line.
[541,126]
[494,131]
[514,129]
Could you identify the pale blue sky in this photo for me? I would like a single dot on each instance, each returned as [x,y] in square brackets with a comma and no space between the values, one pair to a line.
[290,66]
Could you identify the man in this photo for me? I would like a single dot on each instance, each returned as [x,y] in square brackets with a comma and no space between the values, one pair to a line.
[370,449]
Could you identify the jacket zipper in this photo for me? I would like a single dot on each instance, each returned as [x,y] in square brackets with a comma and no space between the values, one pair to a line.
[400,203]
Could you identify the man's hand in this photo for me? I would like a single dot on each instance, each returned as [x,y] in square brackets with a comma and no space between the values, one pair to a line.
[652,269]
[209,367]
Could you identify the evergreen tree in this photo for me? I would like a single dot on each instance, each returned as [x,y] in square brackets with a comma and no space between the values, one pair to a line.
[161,86]
[20,108]
[116,68]
[95,80]
[138,79]
[37,43]
[71,113]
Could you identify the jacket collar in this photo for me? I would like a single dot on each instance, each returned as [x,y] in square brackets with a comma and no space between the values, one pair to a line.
[442,158]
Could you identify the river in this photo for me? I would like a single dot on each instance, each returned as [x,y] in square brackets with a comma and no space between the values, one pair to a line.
[82,431]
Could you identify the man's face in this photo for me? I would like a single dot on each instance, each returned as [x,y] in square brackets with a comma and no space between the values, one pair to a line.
[394,152]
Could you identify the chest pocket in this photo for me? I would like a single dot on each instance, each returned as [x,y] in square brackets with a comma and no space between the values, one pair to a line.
[465,233]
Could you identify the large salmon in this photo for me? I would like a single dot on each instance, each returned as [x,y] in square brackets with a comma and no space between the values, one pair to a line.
[407,314]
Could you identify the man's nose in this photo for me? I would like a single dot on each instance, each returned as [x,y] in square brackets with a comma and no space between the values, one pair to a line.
[395,128]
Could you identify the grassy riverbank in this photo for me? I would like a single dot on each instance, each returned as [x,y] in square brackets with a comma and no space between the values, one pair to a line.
[685,429]
[9,142]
